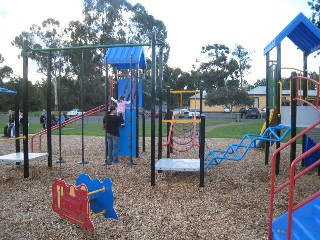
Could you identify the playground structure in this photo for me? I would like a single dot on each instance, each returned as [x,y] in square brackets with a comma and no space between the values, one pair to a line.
[307,38]
[184,132]
[272,131]
[130,87]
[75,202]
[49,129]
[304,114]
[236,152]
[181,137]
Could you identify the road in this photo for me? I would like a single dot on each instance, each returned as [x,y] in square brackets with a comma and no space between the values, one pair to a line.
[97,119]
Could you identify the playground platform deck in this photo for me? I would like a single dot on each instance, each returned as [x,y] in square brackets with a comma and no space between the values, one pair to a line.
[170,164]
[19,158]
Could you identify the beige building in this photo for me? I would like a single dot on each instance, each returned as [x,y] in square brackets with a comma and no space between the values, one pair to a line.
[258,95]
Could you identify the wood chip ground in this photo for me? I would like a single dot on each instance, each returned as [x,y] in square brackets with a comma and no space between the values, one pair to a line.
[234,204]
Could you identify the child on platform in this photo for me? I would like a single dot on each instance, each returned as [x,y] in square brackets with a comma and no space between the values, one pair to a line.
[121,107]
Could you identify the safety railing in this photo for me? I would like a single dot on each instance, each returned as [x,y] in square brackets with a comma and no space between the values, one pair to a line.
[293,177]
[299,98]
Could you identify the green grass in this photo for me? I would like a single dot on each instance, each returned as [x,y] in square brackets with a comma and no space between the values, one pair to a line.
[214,129]
[235,130]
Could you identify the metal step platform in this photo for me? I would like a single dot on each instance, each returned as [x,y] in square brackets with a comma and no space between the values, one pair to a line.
[171,164]
[19,157]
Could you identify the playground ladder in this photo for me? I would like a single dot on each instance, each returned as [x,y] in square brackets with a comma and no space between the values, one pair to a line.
[235,152]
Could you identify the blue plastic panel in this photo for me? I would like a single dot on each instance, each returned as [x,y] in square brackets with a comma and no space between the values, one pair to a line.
[302,32]
[126,57]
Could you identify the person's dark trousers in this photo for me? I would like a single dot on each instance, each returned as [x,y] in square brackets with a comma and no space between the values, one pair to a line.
[5,131]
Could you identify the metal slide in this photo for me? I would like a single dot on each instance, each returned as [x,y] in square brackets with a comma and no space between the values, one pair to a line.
[69,121]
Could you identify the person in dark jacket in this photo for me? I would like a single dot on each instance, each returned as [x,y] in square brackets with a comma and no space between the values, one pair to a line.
[9,126]
[112,123]
[43,118]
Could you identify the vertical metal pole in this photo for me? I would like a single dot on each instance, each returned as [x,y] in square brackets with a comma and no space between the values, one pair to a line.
[169,108]
[131,163]
[278,78]
[143,118]
[201,97]
[82,109]
[49,117]
[202,144]
[153,93]
[131,103]
[305,94]
[25,110]
[16,117]
[160,102]
[60,160]
[293,106]
[267,143]
[137,80]
[106,102]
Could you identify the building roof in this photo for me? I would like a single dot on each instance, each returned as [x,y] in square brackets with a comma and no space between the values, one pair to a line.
[261,90]
[126,57]
[302,32]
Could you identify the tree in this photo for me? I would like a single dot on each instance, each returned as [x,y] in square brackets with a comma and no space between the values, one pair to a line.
[228,97]
[260,82]
[5,71]
[315,18]
[48,35]
[218,67]
[105,22]
[243,60]
[315,7]
[214,69]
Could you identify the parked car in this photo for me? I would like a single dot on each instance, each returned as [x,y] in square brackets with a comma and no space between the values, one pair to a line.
[263,112]
[227,110]
[252,113]
[74,112]
[243,111]
[193,112]
[184,113]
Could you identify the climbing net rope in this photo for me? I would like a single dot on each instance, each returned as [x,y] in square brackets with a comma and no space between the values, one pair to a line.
[182,136]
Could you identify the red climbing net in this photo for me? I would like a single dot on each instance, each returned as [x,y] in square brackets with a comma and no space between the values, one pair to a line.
[182,136]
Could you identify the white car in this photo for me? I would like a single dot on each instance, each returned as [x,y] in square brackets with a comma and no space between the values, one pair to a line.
[184,113]
[193,112]
[227,110]
[74,112]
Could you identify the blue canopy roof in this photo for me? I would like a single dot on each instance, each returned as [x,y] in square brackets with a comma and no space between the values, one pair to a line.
[123,57]
[302,32]
[4,90]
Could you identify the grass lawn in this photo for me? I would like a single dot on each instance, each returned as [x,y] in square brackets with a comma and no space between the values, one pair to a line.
[214,129]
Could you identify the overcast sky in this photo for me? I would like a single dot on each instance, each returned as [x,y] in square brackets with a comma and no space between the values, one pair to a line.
[190,25]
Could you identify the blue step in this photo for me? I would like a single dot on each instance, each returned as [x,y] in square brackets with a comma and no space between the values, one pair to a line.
[305,223]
